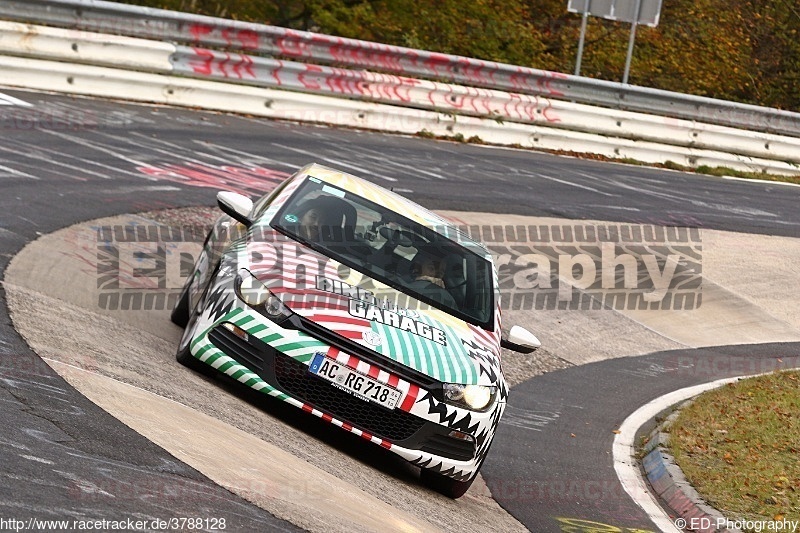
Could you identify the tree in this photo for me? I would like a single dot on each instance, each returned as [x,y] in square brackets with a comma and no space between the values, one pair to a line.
[487,29]
[743,50]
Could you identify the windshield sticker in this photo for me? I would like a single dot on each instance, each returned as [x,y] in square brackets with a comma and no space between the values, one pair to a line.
[292,219]
[330,190]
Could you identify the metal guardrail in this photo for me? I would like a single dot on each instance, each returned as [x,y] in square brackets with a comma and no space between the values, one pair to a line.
[147,55]
[123,19]
[478,102]
[79,62]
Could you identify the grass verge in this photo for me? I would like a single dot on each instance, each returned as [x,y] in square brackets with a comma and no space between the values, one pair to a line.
[702,169]
[739,446]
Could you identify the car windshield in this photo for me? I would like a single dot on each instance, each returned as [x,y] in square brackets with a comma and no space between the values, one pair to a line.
[392,249]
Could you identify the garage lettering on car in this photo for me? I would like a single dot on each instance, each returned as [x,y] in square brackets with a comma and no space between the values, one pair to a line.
[360,309]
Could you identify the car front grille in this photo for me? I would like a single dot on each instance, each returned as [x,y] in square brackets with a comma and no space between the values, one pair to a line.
[293,377]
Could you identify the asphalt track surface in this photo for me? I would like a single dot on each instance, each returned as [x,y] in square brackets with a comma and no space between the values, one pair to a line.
[557,468]
[88,159]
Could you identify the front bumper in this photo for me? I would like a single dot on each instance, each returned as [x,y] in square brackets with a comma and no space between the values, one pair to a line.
[274,360]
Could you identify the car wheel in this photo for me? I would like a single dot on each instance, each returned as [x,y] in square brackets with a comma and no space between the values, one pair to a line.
[452,488]
[180,313]
[184,355]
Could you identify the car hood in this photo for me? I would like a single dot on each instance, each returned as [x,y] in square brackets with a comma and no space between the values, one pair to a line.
[376,316]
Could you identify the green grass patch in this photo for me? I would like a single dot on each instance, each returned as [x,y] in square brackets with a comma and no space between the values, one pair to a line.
[739,446]
[458,137]
[726,171]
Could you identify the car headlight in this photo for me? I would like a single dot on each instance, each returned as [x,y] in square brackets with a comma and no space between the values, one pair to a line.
[474,397]
[259,297]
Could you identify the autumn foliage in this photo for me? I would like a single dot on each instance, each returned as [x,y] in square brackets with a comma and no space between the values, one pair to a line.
[741,50]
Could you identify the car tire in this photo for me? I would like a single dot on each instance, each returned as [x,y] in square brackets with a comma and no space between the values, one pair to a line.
[184,355]
[180,313]
[452,488]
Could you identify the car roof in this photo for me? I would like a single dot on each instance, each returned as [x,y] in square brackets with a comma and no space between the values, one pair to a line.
[395,202]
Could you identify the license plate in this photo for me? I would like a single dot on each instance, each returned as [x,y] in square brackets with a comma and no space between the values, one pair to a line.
[352,382]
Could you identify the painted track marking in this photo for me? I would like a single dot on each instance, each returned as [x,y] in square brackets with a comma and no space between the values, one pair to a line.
[624,450]
[10,100]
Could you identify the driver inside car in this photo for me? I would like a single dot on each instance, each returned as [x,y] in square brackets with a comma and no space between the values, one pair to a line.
[427,271]
[310,223]
[326,218]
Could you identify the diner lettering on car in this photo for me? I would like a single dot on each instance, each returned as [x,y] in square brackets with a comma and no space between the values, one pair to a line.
[335,286]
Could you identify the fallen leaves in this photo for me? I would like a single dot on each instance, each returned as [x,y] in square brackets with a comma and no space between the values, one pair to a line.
[738,446]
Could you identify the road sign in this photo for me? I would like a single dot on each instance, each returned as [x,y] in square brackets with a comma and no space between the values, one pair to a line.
[621,10]
[636,12]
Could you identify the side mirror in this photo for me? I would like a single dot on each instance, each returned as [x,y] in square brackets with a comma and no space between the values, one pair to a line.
[236,206]
[520,340]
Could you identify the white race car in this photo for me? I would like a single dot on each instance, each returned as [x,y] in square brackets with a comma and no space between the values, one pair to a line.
[360,307]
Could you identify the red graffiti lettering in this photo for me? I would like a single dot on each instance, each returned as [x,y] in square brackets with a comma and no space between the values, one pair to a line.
[198,31]
[249,39]
[245,64]
[308,80]
[205,67]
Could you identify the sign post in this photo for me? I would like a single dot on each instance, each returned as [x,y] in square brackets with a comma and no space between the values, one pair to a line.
[631,41]
[582,39]
[636,12]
